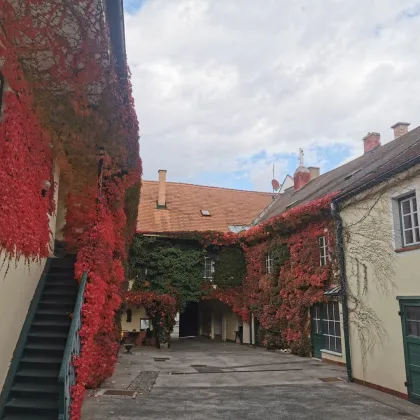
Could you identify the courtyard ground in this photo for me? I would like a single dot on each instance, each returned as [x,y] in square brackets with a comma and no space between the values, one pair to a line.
[199,379]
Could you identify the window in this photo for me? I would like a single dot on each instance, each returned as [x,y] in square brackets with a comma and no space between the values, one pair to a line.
[409,221]
[322,251]
[208,268]
[129,315]
[269,266]
[331,325]
[316,319]
[205,213]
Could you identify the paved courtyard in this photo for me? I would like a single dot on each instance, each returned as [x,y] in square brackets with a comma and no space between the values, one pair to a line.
[199,379]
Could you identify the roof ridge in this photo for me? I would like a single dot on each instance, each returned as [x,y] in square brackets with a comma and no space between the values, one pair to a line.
[211,186]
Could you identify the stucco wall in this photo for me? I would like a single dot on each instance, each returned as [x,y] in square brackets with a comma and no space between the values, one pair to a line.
[231,322]
[16,291]
[136,314]
[377,344]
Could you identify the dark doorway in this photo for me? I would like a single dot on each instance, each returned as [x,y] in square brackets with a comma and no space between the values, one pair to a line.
[188,321]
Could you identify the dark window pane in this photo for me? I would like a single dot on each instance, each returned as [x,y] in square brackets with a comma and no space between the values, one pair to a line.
[405,206]
[409,239]
[339,349]
[416,219]
[417,234]
[414,203]
[407,222]
[412,313]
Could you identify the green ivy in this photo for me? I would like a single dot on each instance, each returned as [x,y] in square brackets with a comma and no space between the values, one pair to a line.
[230,267]
[173,268]
[280,254]
[176,267]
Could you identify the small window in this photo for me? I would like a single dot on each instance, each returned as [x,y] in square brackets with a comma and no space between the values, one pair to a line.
[322,251]
[409,221]
[269,266]
[208,268]
[205,213]
[331,326]
[129,315]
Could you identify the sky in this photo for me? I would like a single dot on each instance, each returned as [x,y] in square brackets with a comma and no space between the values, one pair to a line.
[224,89]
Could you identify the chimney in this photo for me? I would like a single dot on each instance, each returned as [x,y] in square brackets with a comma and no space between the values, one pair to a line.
[314,171]
[400,128]
[161,204]
[371,141]
[302,175]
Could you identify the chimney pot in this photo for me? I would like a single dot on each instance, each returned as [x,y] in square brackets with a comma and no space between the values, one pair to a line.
[314,171]
[162,189]
[400,128]
[371,141]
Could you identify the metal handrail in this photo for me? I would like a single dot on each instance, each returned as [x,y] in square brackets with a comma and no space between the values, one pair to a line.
[67,375]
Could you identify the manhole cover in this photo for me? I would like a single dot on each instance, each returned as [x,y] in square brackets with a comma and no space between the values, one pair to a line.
[207,369]
[330,379]
[161,359]
[119,392]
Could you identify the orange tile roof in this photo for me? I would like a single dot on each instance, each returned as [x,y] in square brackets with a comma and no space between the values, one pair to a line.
[185,202]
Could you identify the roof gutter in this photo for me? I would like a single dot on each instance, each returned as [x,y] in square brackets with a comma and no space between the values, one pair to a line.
[375,181]
[115,18]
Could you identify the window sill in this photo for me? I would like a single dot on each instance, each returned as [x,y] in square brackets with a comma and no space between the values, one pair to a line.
[334,353]
[408,248]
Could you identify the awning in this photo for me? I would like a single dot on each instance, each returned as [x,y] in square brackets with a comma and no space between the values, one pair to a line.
[333,291]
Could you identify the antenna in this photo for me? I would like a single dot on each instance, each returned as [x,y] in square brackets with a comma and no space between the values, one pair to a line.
[301,157]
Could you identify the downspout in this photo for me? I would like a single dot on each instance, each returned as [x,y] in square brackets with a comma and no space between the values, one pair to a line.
[250,328]
[343,283]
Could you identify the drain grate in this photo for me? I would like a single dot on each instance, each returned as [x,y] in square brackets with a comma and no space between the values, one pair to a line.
[161,359]
[119,392]
[330,379]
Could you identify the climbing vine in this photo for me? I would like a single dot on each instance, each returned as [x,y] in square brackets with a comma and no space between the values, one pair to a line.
[66,102]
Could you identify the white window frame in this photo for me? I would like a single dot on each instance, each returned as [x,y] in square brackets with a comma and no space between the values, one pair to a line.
[411,199]
[323,251]
[269,264]
[332,318]
[208,268]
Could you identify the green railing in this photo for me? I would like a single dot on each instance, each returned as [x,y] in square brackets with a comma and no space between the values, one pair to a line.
[67,376]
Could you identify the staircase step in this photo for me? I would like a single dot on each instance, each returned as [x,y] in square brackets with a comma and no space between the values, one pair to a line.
[21,405]
[52,323]
[41,360]
[48,334]
[29,416]
[38,373]
[61,288]
[45,347]
[33,390]
[54,303]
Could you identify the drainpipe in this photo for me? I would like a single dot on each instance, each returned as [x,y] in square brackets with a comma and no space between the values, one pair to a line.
[343,282]
[250,328]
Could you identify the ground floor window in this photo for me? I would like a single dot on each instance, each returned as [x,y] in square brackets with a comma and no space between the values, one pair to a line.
[331,326]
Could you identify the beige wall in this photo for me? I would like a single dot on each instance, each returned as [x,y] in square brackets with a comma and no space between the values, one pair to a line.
[17,288]
[16,291]
[137,314]
[376,341]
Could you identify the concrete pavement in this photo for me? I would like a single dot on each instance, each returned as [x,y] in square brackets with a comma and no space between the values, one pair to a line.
[199,379]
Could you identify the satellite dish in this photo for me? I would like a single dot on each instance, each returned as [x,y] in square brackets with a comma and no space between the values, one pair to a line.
[275,184]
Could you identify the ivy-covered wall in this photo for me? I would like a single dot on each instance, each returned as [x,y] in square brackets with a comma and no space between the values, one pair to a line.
[176,267]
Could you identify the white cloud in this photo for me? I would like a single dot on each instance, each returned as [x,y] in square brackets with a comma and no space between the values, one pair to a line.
[218,82]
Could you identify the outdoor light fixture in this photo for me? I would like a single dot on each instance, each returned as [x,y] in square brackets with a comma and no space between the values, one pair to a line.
[45,186]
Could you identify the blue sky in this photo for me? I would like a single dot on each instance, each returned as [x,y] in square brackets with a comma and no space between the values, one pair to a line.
[224,89]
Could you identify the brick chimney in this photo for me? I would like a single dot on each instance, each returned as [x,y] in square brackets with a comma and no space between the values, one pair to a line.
[400,128]
[315,172]
[161,203]
[371,141]
[302,174]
